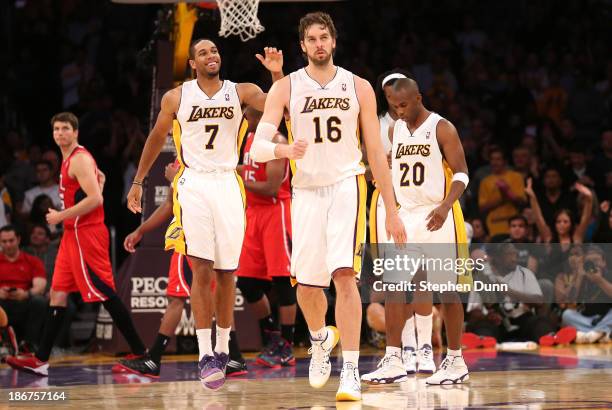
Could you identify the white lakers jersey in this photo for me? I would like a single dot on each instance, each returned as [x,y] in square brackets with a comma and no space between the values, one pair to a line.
[209,127]
[385,123]
[419,171]
[328,119]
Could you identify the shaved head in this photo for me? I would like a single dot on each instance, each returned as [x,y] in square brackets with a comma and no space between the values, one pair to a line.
[405,99]
[407,84]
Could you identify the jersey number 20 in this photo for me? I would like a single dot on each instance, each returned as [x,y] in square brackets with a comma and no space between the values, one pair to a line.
[418,174]
[333,131]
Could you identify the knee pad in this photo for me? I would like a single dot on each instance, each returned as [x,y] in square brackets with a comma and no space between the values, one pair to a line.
[284,291]
[252,289]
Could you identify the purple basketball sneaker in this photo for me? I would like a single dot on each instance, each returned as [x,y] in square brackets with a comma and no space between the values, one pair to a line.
[212,370]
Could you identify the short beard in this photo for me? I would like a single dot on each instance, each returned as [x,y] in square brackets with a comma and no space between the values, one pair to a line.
[207,75]
[320,63]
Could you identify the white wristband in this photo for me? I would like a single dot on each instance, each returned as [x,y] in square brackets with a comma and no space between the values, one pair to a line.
[263,148]
[461,177]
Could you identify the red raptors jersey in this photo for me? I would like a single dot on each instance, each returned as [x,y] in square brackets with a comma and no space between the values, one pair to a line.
[256,171]
[70,193]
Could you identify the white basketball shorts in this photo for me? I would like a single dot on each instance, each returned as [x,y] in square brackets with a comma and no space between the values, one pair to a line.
[329,227]
[209,217]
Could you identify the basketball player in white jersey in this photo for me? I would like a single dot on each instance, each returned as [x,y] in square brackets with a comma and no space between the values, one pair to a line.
[416,353]
[209,219]
[429,175]
[327,104]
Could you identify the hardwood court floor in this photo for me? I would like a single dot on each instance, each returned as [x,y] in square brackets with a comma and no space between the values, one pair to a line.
[577,377]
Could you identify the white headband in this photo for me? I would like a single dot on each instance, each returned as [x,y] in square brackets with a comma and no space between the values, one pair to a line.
[393,76]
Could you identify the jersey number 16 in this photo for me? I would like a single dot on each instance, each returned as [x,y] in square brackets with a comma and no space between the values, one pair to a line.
[334,133]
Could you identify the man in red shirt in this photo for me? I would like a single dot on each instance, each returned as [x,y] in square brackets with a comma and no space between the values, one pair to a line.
[83,263]
[22,285]
[265,261]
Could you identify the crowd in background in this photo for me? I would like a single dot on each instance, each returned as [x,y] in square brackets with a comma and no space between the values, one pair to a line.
[528,86]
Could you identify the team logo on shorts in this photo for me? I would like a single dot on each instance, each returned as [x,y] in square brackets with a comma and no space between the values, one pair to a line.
[174,233]
[359,250]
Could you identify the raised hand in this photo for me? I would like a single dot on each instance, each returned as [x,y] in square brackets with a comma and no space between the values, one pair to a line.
[272,59]
[583,189]
[529,188]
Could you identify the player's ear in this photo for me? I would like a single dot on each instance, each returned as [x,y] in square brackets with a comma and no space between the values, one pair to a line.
[303,46]
[192,64]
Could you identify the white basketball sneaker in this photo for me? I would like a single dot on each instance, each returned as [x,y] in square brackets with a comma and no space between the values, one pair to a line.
[452,371]
[425,361]
[409,358]
[390,370]
[320,367]
[350,386]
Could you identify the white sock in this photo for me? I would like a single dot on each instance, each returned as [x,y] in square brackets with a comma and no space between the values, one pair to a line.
[350,356]
[318,335]
[423,327]
[394,351]
[451,352]
[204,342]
[409,334]
[223,337]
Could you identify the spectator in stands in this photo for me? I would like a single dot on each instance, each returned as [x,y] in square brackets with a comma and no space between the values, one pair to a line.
[604,228]
[501,194]
[523,163]
[602,163]
[514,318]
[555,196]
[46,185]
[40,208]
[480,233]
[593,315]
[5,203]
[580,171]
[22,285]
[565,230]
[569,280]
[518,235]
[53,158]
[43,248]
[553,99]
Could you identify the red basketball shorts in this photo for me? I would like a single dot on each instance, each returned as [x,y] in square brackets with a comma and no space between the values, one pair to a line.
[266,250]
[179,276]
[83,264]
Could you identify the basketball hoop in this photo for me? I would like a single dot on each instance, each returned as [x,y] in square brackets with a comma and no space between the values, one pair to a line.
[239,17]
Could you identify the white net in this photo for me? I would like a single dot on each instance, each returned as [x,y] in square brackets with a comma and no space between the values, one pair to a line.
[239,17]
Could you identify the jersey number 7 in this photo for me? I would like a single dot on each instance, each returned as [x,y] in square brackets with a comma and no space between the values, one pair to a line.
[213,129]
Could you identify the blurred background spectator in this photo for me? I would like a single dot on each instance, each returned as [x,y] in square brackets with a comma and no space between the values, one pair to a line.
[22,287]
